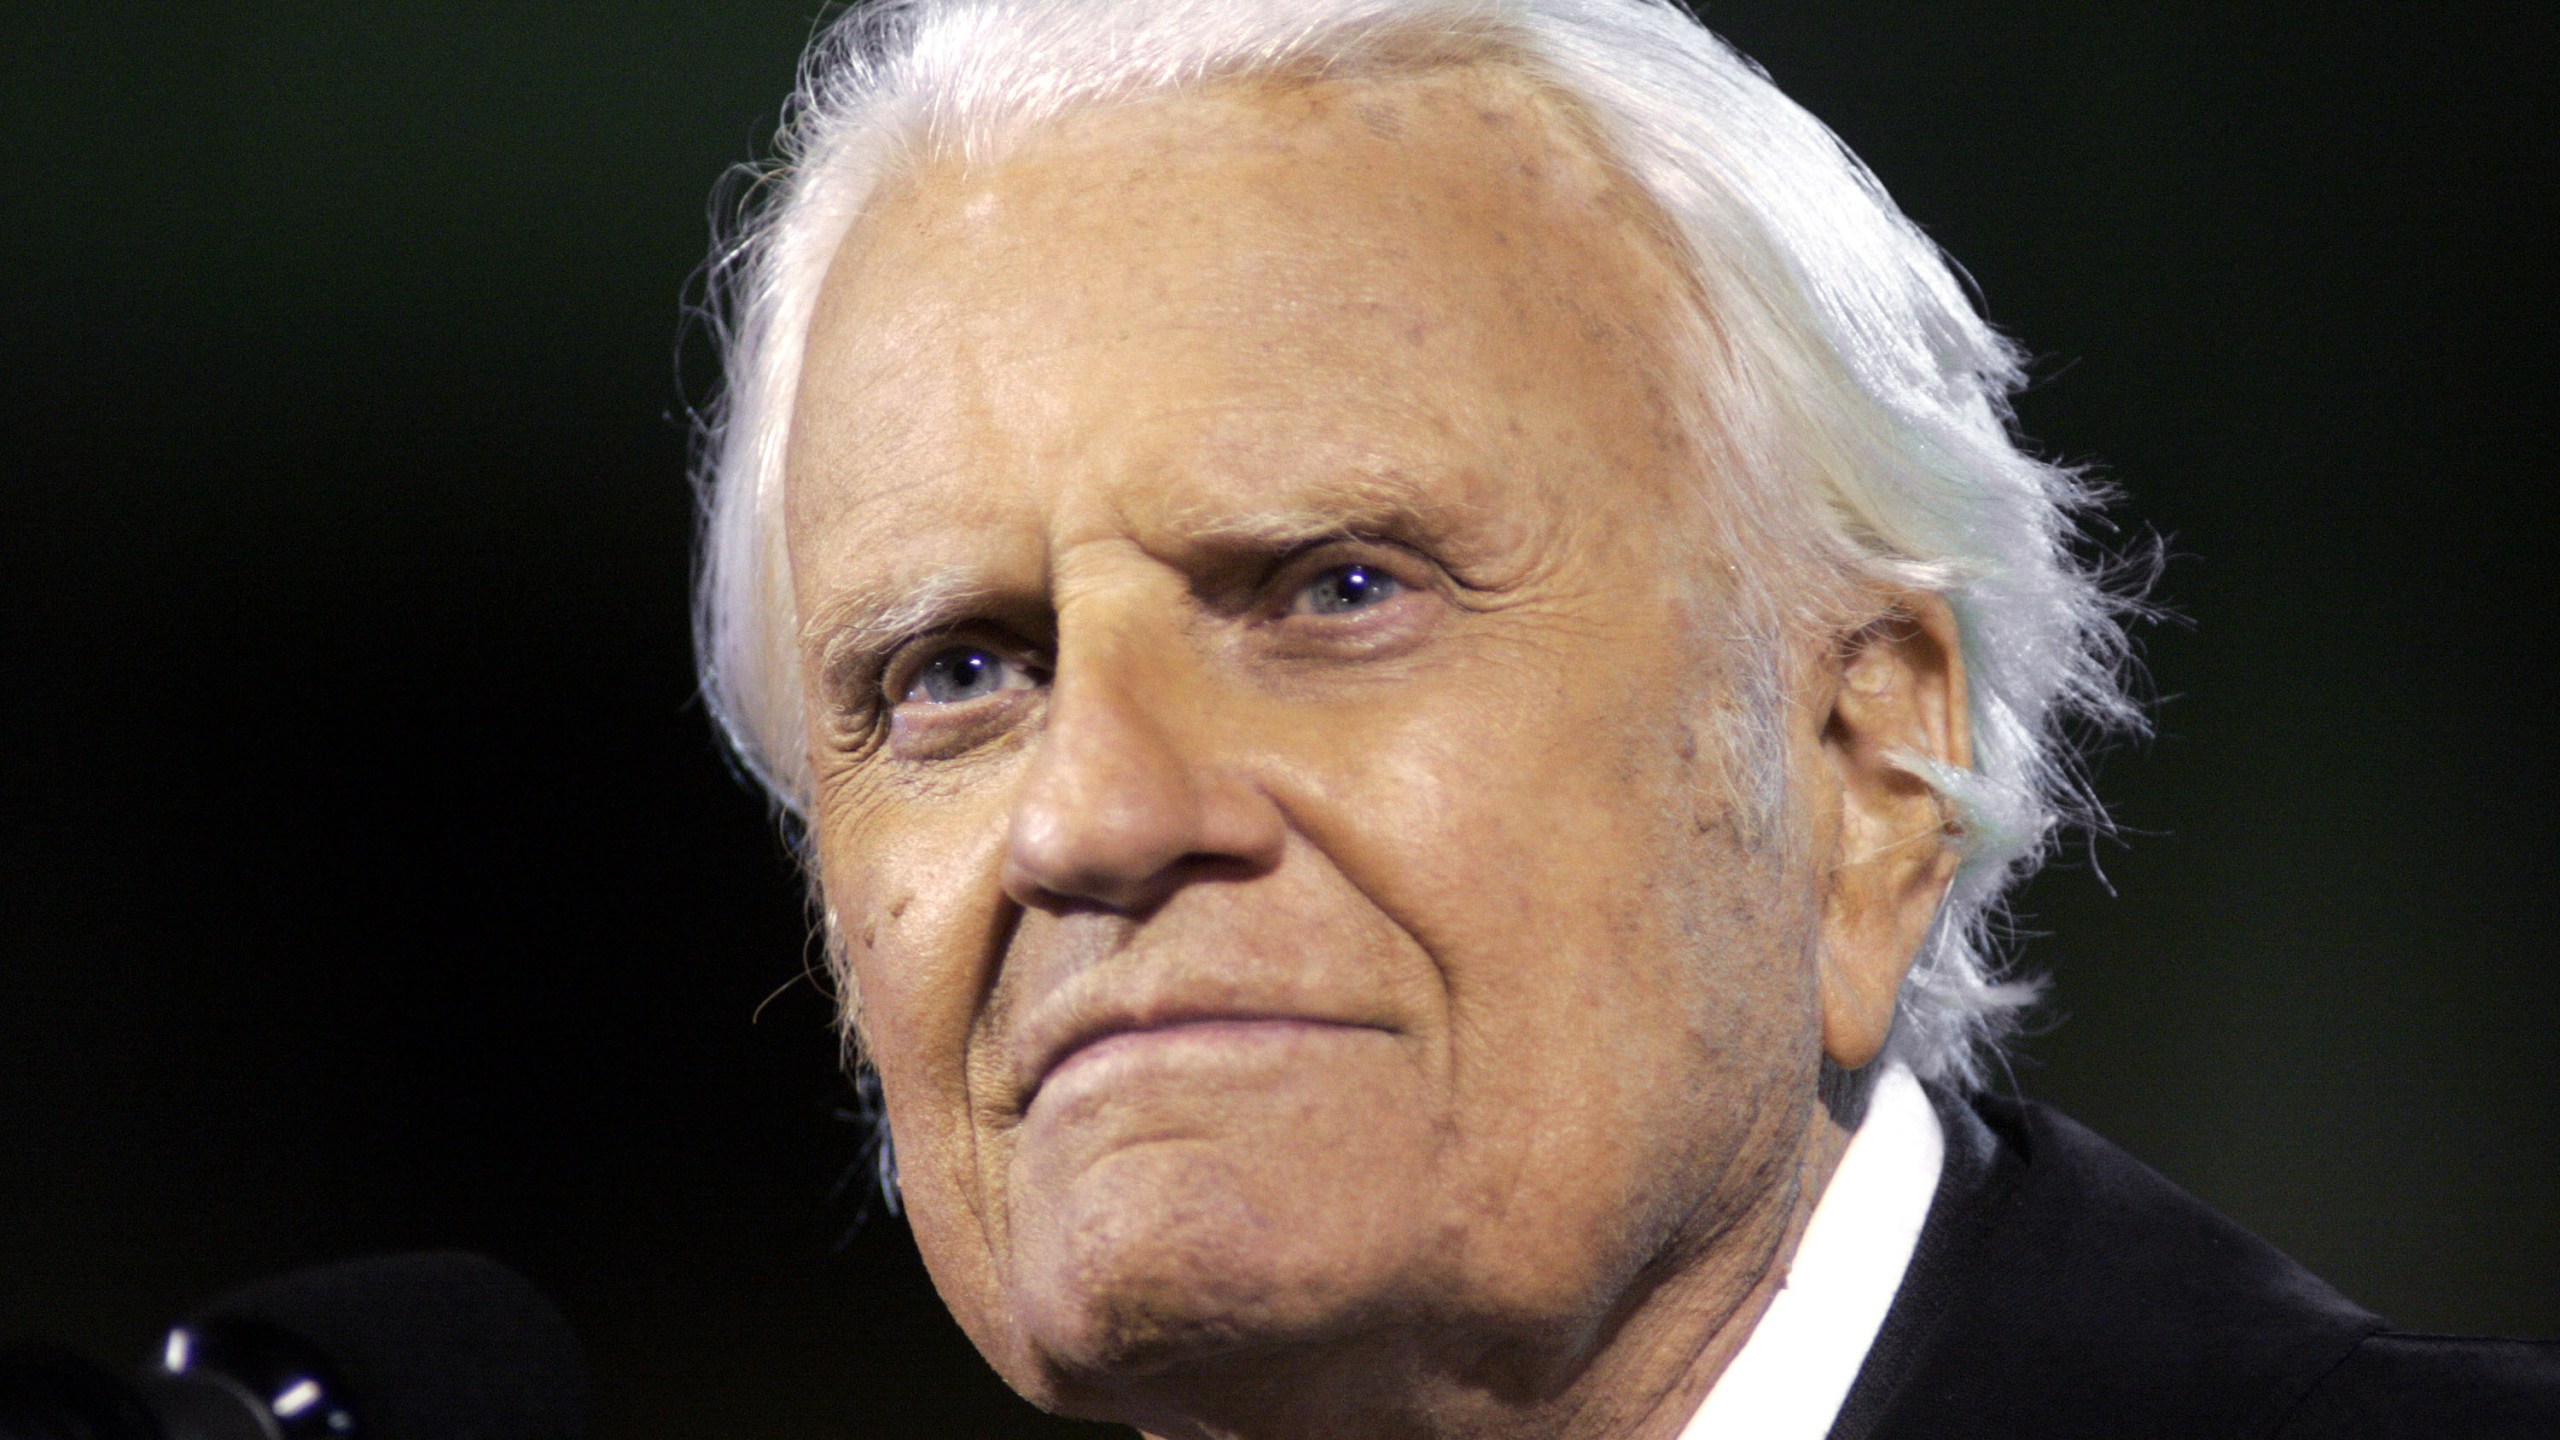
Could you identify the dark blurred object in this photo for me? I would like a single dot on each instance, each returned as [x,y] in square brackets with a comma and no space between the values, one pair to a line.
[436,1346]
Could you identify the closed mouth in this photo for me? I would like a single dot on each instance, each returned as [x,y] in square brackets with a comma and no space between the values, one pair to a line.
[1231,1028]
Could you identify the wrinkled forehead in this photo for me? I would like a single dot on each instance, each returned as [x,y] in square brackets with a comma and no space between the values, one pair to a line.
[1391,286]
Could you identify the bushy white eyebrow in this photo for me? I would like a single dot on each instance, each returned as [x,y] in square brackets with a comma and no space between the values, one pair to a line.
[1343,507]
[866,621]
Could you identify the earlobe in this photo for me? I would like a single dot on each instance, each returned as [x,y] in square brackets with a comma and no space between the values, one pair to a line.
[1898,701]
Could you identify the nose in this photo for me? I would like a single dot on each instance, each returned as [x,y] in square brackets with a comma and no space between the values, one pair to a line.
[1132,789]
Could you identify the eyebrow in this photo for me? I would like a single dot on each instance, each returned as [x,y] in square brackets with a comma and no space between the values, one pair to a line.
[866,620]
[1389,505]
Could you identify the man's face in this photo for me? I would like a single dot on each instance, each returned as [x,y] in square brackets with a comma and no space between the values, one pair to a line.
[1268,790]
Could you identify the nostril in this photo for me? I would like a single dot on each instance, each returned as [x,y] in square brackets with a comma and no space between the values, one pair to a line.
[1128,849]
[1113,864]
[1076,845]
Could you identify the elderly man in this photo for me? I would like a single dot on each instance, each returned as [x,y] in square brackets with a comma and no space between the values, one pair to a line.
[1410,648]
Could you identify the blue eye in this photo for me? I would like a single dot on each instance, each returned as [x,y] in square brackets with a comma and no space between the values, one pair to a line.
[962,673]
[1345,588]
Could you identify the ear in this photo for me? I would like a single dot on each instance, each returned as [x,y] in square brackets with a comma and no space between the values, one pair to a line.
[1898,696]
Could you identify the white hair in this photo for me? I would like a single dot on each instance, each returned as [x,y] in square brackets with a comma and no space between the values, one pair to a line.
[1857,403]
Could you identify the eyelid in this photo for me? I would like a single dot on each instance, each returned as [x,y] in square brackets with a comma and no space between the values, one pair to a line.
[902,667]
[1301,567]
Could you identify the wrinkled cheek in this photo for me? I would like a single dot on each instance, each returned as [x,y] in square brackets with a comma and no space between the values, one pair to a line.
[909,976]
[950,1218]
[919,1047]
[945,1190]
[913,904]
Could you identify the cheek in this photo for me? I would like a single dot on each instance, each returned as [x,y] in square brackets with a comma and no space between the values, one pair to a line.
[1539,839]
[1624,978]
[913,984]
[916,906]
[915,945]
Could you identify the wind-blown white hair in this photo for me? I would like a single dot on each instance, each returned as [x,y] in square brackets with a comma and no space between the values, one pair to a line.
[1856,405]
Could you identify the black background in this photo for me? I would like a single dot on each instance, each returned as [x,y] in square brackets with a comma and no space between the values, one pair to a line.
[371,879]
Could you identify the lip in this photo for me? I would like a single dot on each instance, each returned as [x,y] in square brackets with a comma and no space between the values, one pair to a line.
[1094,1043]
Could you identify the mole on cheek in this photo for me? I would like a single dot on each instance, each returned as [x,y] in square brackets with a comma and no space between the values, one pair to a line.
[870,934]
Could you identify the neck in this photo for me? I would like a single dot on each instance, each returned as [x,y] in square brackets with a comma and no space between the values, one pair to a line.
[1637,1372]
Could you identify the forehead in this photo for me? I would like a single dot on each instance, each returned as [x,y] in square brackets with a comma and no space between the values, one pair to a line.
[1255,305]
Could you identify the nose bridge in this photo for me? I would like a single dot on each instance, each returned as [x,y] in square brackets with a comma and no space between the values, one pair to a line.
[1119,682]
[1127,787]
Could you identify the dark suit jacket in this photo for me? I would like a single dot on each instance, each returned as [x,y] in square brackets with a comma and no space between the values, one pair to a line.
[2061,1288]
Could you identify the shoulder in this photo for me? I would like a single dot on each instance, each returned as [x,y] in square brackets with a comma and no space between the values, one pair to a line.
[2063,1287]
[2395,1383]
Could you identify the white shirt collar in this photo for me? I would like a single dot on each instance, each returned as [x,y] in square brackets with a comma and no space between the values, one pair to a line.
[1789,1378]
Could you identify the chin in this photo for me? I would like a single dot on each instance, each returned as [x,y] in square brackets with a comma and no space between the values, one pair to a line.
[1176,1255]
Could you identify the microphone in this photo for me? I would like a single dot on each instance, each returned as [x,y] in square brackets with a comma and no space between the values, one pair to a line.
[441,1345]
